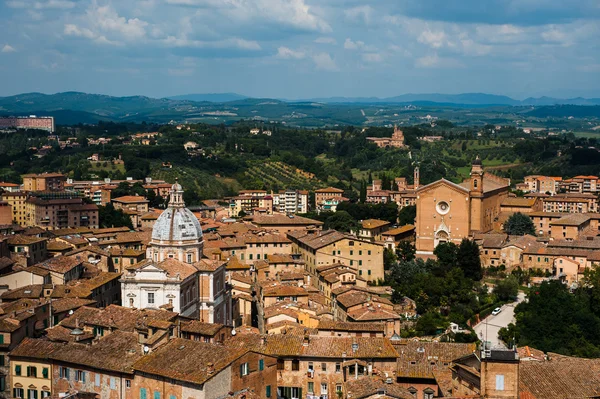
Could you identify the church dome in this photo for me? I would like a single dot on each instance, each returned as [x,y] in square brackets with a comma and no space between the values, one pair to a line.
[176,223]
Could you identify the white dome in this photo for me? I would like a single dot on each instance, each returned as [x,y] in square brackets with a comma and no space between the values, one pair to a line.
[176,224]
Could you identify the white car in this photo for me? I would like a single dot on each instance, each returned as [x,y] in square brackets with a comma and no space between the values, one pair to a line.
[496,311]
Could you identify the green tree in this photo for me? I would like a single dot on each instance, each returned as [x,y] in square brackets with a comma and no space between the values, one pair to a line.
[519,224]
[111,217]
[430,323]
[407,215]
[341,221]
[467,256]
[507,289]
[389,258]
[406,251]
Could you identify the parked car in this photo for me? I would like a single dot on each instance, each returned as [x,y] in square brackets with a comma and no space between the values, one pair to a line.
[496,311]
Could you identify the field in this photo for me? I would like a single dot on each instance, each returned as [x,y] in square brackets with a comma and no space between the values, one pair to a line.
[97,166]
[279,175]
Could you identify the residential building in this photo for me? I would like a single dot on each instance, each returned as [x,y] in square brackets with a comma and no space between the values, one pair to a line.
[31,370]
[372,229]
[27,250]
[60,210]
[44,182]
[283,223]
[571,203]
[290,202]
[16,200]
[319,248]
[323,194]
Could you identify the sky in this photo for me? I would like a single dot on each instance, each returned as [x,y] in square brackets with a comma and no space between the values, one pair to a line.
[297,49]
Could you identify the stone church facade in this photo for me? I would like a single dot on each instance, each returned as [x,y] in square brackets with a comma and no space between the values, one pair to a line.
[449,212]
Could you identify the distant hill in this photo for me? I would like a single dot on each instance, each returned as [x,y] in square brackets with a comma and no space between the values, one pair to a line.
[459,99]
[76,107]
[210,97]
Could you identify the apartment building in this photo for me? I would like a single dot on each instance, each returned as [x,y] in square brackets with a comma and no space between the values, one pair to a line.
[44,182]
[318,248]
[62,210]
[16,201]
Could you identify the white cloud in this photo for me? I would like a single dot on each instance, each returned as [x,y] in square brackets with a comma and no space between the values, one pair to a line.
[433,39]
[107,19]
[325,40]
[230,43]
[287,54]
[435,61]
[295,13]
[372,57]
[324,62]
[8,49]
[76,31]
[362,14]
[351,45]
[41,5]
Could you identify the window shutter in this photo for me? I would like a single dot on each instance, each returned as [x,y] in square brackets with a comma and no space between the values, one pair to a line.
[142,393]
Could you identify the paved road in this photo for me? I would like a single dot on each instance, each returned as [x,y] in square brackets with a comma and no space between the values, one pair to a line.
[490,326]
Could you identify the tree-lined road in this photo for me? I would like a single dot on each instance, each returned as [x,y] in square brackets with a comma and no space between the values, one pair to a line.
[488,328]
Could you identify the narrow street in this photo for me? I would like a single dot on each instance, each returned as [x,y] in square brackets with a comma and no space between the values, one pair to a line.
[488,328]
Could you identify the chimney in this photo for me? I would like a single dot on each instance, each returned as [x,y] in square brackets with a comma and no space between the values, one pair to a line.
[210,368]
[76,322]
[306,339]
[263,340]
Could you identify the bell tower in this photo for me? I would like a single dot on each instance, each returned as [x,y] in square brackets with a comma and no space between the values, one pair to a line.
[416,178]
[477,176]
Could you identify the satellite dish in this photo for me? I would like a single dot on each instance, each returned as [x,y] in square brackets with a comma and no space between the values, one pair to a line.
[146,349]
[233,332]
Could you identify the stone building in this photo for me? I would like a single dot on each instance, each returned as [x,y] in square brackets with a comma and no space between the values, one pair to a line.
[396,141]
[449,212]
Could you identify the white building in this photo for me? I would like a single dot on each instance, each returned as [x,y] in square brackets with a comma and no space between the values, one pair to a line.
[174,275]
[290,201]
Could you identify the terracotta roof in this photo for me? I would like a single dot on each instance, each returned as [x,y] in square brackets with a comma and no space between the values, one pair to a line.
[519,202]
[420,359]
[209,265]
[174,267]
[399,230]
[320,239]
[349,326]
[374,223]
[561,377]
[330,347]
[35,349]
[373,386]
[235,264]
[575,219]
[65,304]
[130,199]
[60,264]
[267,238]
[28,291]
[88,248]
[115,316]
[372,312]
[329,190]
[282,220]
[276,290]
[198,327]
[117,352]
[356,297]
[532,353]
[18,239]
[58,246]
[188,361]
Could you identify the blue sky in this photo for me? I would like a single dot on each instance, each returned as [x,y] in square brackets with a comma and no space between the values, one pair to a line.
[301,48]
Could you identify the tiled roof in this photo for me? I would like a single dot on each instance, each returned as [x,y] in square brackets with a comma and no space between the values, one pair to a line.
[57,246]
[374,223]
[283,290]
[372,312]
[60,264]
[267,238]
[419,359]
[188,361]
[348,326]
[561,377]
[174,267]
[198,327]
[375,387]
[28,291]
[519,202]
[88,248]
[320,239]
[116,352]
[399,230]
[209,265]
[18,239]
[114,316]
[65,304]
[574,219]
[330,347]
[356,297]
[35,349]
[130,199]
[282,220]
[329,190]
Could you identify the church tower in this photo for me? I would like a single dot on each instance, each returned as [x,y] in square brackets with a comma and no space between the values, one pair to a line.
[477,176]
[476,195]
[416,178]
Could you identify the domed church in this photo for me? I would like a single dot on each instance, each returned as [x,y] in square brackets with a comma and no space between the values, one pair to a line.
[174,275]
[177,233]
